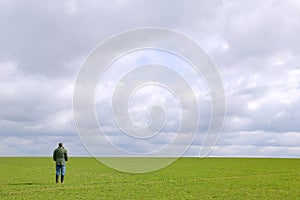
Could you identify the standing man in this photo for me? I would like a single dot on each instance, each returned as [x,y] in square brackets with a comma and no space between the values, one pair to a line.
[60,156]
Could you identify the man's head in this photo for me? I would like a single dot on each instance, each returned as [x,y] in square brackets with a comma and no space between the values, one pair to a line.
[60,144]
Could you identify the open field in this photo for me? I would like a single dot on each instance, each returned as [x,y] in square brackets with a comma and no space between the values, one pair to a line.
[187,178]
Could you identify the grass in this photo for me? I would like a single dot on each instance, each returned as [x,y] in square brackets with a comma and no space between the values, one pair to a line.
[187,178]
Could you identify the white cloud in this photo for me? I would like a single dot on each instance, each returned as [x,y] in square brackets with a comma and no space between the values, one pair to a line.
[254,44]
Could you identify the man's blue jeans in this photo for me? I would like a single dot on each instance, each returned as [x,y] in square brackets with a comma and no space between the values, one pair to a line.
[60,169]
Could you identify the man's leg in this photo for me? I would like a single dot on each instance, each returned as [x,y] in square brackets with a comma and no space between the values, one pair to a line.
[63,171]
[57,172]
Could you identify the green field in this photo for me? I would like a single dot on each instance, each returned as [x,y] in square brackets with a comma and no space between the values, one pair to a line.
[187,178]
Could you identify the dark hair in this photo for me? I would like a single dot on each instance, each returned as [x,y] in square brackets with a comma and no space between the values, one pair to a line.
[60,144]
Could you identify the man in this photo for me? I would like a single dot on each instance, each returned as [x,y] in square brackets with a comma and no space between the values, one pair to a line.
[60,156]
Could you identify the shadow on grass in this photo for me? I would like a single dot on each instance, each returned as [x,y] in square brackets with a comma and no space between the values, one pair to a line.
[27,183]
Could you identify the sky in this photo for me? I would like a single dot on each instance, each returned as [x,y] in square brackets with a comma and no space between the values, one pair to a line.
[254,45]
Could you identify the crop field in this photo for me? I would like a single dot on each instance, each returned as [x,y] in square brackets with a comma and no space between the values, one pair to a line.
[187,178]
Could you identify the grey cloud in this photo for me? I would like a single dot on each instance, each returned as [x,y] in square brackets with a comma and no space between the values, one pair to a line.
[254,44]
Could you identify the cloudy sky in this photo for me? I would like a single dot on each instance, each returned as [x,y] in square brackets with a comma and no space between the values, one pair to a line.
[255,46]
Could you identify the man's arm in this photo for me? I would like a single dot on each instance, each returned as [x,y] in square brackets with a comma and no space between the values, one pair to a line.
[66,155]
[54,157]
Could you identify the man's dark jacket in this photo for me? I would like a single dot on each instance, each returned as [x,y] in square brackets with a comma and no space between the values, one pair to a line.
[60,156]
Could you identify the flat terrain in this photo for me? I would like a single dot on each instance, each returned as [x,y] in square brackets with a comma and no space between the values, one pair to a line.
[187,178]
